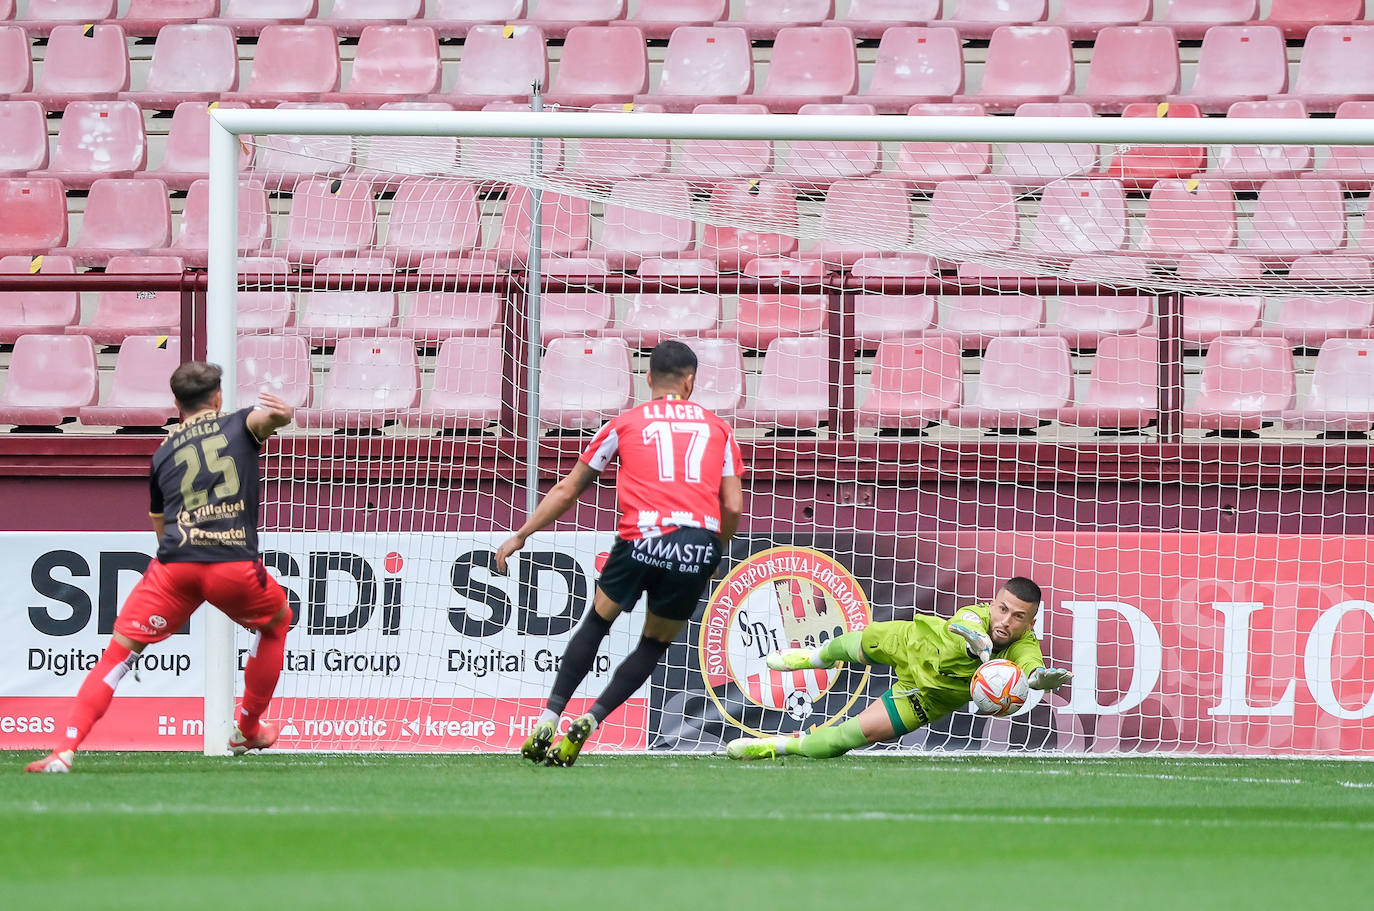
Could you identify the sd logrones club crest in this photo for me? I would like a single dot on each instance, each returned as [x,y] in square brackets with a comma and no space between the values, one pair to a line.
[780,598]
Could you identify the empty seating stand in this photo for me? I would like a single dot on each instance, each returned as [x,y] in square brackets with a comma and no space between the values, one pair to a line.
[763,19]
[371,383]
[703,66]
[147,18]
[660,19]
[792,394]
[456,18]
[186,151]
[584,382]
[915,382]
[914,66]
[16,71]
[922,165]
[808,66]
[291,63]
[1190,19]
[600,66]
[123,216]
[354,17]
[1237,63]
[277,364]
[1023,383]
[120,314]
[1084,19]
[139,398]
[980,18]
[250,17]
[1024,64]
[49,380]
[190,63]
[1246,383]
[42,17]
[37,312]
[1340,401]
[559,17]
[1131,64]
[35,215]
[1123,389]
[23,138]
[98,139]
[1297,17]
[500,63]
[82,63]
[1337,65]
[466,390]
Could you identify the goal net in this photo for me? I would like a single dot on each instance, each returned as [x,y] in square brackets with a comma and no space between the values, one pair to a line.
[1129,359]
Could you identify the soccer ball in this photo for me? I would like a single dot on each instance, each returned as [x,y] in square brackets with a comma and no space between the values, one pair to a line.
[798,705]
[999,688]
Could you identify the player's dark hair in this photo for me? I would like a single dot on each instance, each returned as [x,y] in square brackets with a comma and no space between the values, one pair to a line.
[672,360]
[193,383]
[1023,589]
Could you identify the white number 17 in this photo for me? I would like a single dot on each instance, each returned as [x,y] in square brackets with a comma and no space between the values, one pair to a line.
[660,434]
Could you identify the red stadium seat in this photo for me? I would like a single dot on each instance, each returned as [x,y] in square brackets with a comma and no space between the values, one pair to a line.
[250,17]
[432,219]
[371,383]
[500,63]
[139,395]
[1337,66]
[455,18]
[559,17]
[50,378]
[1123,389]
[186,153]
[1191,19]
[813,165]
[720,374]
[1023,383]
[1078,218]
[190,63]
[660,19]
[16,70]
[122,216]
[763,19]
[120,314]
[709,161]
[808,66]
[974,320]
[98,139]
[385,161]
[1341,398]
[1131,64]
[147,18]
[329,218]
[600,66]
[41,17]
[879,317]
[327,316]
[574,315]
[651,318]
[915,382]
[1353,166]
[914,66]
[862,217]
[282,161]
[7,9]
[1205,319]
[266,310]
[1246,382]
[1083,321]
[23,138]
[637,224]
[584,382]
[1212,267]
[1188,216]
[567,226]
[354,17]
[437,315]
[496,155]
[703,66]
[980,18]
[1298,17]
[1246,167]
[279,364]
[1238,63]
[869,19]
[750,202]
[1030,165]
[392,63]
[606,160]
[82,64]
[792,394]
[970,217]
[1084,19]
[255,222]
[291,63]
[37,312]
[925,164]
[1308,321]
[761,318]
[35,215]
[1139,167]
[1024,64]
[1296,218]
[466,393]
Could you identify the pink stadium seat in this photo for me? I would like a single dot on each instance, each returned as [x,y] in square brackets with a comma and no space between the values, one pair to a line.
[1307,321]
[980,18]
[636,225]
[392,63]
[574,315]
[436,315]
[432,219]
[37,312]
[924,164]
[651,318]
[50,378]
[1298,17]
[914,66]
[122,216]
[1190,19]
[792,394]
[82,64]
[120,314]
[703,66]
[970,217]
[973,320]
[1123,388]
[584,382]
[869,19]
[559,17]
[455,18]
[914,266]
[371,382]
[354,17]
[709,161]
[878,317]
[291,63]
[466,394]
[266,309]
[190,63]
[494,154]
[1246,167]
[1138,63]
[602,161]
[327,316]
[600,66]
[659,19]
[279,364]
[1295,218]
[1083,321]
[98,139]
[915,382]
[329,218]
[1084,19]
[34,215]
[41,17]
[386,160]
[7,9]
[566,232]
[1353,166]
[720,374]
[255,222]
[1212,267]
[1238,63]
[765,18]
[1030,165]
[1246,382]
[808,66]
[761,318]
[1205,319]
[186,153]
[147,18]
[861,217]
[1023,383]
[1188,216]
[1139,167]
[1341,398]
[139,396]
[1337,66]
[23,138]
[756,202]
[1024,64]
[1080,217]
[668,269]
[500,63]
[814,165]
[250,17]
[16,70]
[284,160]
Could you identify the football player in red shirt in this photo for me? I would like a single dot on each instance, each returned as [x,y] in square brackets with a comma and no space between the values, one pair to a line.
[678,490]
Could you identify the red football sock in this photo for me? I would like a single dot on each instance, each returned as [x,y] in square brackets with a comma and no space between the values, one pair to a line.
[95,694]
[261,673]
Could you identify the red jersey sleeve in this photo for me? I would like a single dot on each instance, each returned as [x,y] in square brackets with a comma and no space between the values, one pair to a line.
[603,446]
[734,458]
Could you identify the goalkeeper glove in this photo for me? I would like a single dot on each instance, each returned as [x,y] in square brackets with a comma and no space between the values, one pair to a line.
[1049,678]
[979,645]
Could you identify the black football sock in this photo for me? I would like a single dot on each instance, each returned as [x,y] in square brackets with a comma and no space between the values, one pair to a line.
[629,676]
[577,659]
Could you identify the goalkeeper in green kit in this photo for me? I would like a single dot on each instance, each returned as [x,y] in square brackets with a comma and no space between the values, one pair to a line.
[934,659]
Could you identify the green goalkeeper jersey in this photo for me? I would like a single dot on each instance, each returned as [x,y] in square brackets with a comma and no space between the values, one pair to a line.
[933,663]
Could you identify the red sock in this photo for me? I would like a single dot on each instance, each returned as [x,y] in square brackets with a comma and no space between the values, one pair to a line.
[95,694]
[261,673]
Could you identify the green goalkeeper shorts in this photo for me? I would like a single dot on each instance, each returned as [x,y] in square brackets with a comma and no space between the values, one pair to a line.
[898,644]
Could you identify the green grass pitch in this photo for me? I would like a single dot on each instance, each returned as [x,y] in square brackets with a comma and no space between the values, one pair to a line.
[666,832]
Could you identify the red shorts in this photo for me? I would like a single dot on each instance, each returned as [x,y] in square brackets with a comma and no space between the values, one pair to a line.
[169,593]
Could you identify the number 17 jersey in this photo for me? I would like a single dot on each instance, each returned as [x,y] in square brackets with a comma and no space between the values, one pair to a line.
[673,454]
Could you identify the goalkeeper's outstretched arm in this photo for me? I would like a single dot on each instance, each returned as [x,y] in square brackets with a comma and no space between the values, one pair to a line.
[556,502]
